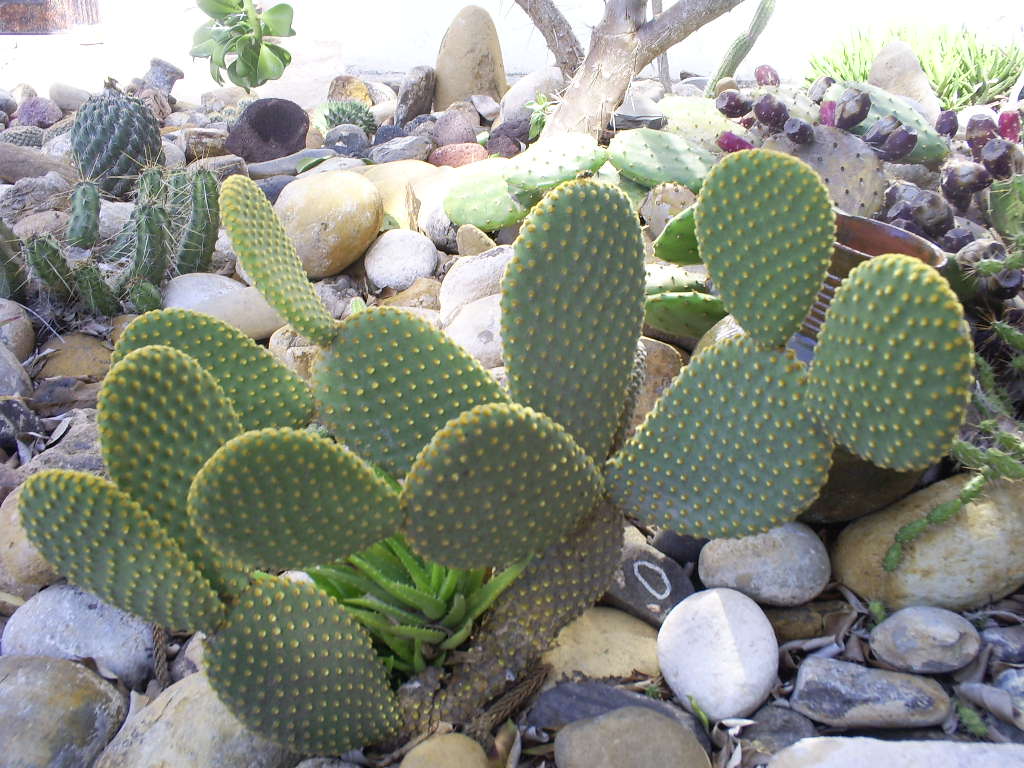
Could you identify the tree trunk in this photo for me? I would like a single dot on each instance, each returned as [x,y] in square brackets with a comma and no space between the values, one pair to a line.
[622,45]
[557,33]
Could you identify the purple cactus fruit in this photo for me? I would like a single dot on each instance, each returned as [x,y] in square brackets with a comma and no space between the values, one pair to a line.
[766,75]
[998,157]
[898,144]
[851,108]
[947,123]
[932,212]
[730,142]
[1009,125]
[827,113]
[909,225]
[817,91]
[955,239]
[748,121]
[770,111]
[980,128]
[732,103]
[798,131]
[880,131]
[962,179]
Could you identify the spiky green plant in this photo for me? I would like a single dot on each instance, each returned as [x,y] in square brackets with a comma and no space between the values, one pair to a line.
[332,113]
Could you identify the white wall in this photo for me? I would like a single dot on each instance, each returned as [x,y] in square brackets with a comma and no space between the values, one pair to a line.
[335,36]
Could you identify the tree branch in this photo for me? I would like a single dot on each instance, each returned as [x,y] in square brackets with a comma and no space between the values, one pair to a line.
[557,34]
[683,18]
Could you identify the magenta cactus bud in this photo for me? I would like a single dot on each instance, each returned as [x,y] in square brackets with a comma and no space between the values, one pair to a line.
[730,142]
[1009,125]
[748,121]
[827,113]
[766,75]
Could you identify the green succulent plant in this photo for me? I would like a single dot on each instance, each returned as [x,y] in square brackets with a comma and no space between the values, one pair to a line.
[332,113]
[235,40]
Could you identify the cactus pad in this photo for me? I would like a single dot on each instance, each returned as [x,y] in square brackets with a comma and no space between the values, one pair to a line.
[683,313]
[494,485]
[651,157]
[286,498]
[698,121]
[106,543]
[729,450]
[263,392]
[482,197]
[160,417]
[293,666]
[892,370]
[551,161]
[678,241]
[270,260]
[571,358]
[390,381]
[766,229]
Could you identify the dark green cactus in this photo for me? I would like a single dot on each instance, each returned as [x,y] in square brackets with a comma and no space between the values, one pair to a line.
[151,257]
[12,273]
[113,138]
[195,249]
[93,290]
[46,260]
[84,226]
[332,113]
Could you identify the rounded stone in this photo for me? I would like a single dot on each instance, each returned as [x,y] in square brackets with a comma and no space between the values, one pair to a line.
[452,750]
[785,566]
[925,639]
[66,622]
[960,565]
[398,258]
[331,218]
[603,642]
[476,327]
[76,354]
[634,736]
[229,300]
[38,111]
[23,570]
[268,128]
[469,60]
[457,155]
[718,647]
[16,332]
[42,223]
[473,277]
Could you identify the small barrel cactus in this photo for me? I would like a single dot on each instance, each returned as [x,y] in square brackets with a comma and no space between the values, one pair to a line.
[332,113]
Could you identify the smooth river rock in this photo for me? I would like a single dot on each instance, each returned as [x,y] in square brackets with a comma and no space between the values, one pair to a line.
[925,639]
[229,300]
[844,752]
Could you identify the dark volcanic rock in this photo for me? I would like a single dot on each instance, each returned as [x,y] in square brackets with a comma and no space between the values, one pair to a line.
[267,129]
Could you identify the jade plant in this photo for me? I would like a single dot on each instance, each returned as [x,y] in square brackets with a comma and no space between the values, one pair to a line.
[235,40]
[433,469]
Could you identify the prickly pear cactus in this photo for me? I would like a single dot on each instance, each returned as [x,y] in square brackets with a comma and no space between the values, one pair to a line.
[677,242]
[12,273]
[482,197]
[682,314]
[550,161]
[697,120]
[652,157]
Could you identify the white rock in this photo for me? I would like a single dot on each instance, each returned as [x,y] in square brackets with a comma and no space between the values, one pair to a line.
[16,331]
[113,217]
[719,647]
[476,327]
[785,566]
[547,81]
[59,146]
[398,257]
[471,278]
[66,622]
[174,156]
[226,299]
[384,111]
[858,752]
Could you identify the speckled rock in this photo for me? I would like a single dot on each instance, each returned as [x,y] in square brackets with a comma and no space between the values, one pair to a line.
[634,736]
[48,192]
[451,750]
[402,148]
[76,354]
[188,725]
[42,223]
[846,752]
[476,327]
[959,566]
[774,729]
[469,60]
[603,642]
[453,127]
[926,640]
[847,695]
[66,622]
[55,712]
[14,381]
[787,565]
[38,111]
[718,646]
[398,258]
[416,94]
[457,155]
[349,88]
[16,331]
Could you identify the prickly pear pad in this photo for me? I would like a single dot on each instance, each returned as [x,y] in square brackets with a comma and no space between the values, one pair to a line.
[328,505]
[160,417]
[551,161]
[729,450]
[103,541]
[496,484]
[766,227]
[390,380]
[892,370]
[652,157]
[572,309]
[292,665]
[269,258]
[683,313]
[482,197]
[263,392]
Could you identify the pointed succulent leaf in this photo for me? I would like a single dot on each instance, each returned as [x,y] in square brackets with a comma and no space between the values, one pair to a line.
[103,541]
[263,392]
[494,485]
[678,240]
[891,375]
[766,230]
[292,665]
[160,417]
[327,505]
[270,260]
[729,450]
[390,380]
[571,357]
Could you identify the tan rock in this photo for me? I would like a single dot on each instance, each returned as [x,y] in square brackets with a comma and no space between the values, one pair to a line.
[294,350]
[14,380]
[76,354]
[18,163]
[229,300]
[314,139]
[392,181]
[469,61]
[472,240]
[664,362]
[349,88]
[423,294]
[16,332]
[451,750]
[971,560]
[117,326]
[604,642]
[23,570]
[42,223]
[331,218]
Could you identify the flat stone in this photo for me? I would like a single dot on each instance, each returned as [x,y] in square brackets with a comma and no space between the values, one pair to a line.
[221,166]
[55,712]
[718,647]
[402,148]
[847,695]
[1007,643]
[856,488]
[857,752]
[815,619]
[785,566]
[228,300]
[66,622]
[398,258]
[959,566]
[50,192]
[774,729]
[485,105]
[416,94]
[476,327]
[469,60]
[648,583]
[603,642]
[287,165]
[634,736]
[201,142]
[187,725]
[422,294]
[18,163]
[452,750]
[76,354]
[926,640]
[334,164]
